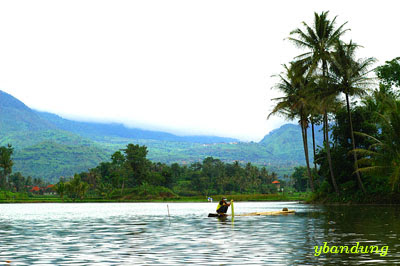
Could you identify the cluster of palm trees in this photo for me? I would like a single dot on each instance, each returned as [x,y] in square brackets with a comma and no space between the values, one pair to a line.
[321,80]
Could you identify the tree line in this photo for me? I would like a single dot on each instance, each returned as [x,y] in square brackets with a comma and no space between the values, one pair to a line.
[129,168]
[130,172]
[360,112]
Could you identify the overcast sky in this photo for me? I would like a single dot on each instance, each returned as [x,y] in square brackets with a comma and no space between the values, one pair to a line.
[187,67]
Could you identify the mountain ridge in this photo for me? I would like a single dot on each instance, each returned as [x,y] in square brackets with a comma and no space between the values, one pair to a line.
[120,130]
[49,146]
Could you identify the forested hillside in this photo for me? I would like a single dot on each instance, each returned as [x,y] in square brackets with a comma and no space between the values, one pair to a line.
[288,138]
[43,150]
[49,146]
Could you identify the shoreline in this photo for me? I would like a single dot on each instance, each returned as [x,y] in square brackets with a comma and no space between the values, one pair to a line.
[303,198]
[79,202]
[188,201]
[300,201]
[158,198]
[138,201]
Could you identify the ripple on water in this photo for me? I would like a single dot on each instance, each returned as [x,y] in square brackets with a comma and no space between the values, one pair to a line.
[143,234]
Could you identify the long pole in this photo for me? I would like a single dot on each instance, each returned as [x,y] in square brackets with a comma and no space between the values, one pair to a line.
[169,217]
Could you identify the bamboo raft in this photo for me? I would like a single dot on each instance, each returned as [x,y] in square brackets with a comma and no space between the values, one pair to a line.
[254,213]
[267,213]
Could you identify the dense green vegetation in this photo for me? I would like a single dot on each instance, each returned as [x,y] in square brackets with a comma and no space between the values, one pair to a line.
[130,176]
[359,160]
[52,160]
[279,151]
[14,187]
[130,169]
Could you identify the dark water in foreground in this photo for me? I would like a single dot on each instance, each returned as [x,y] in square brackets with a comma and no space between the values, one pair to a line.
[143,234]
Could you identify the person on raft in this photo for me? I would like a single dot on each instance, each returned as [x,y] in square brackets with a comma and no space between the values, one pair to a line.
[223,206]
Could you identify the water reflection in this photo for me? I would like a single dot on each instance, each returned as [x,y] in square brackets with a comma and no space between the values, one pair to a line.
[144,234]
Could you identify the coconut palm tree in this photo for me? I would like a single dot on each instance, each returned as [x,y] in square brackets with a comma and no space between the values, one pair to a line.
[351,78]
[315,119]
[325,102]
[295,84]
[319,39]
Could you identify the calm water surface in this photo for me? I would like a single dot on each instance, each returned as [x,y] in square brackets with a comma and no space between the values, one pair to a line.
[144,234]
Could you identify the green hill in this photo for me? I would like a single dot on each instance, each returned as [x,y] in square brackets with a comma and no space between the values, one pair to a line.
[288,138]
[48,146]
[51,160]
[16,117]
[41,149]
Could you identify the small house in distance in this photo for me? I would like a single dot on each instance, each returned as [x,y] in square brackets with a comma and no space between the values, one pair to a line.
[35,189]
[278,184]
[43,190]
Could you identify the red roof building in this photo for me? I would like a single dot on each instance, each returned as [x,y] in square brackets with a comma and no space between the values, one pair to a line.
[35,188]
[277,183]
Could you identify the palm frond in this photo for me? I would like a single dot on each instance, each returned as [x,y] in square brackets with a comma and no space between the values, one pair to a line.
[367,136]
[364,152]
[300,43]
[370,169]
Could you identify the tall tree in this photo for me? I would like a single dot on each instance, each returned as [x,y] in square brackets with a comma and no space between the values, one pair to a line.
[135,158]
[319,39]
[295,85]
[16,181]
[389,73]
[118,162]
[60,189]
[351,77]
[6,163]
[315,119]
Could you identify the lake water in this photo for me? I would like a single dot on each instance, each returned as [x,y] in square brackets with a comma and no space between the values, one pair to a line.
[144,234]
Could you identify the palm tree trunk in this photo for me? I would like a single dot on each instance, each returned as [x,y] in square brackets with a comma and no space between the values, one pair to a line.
[313,143]
[305,145]
[328,152]
[326,135]
[360,184]
[308,160]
